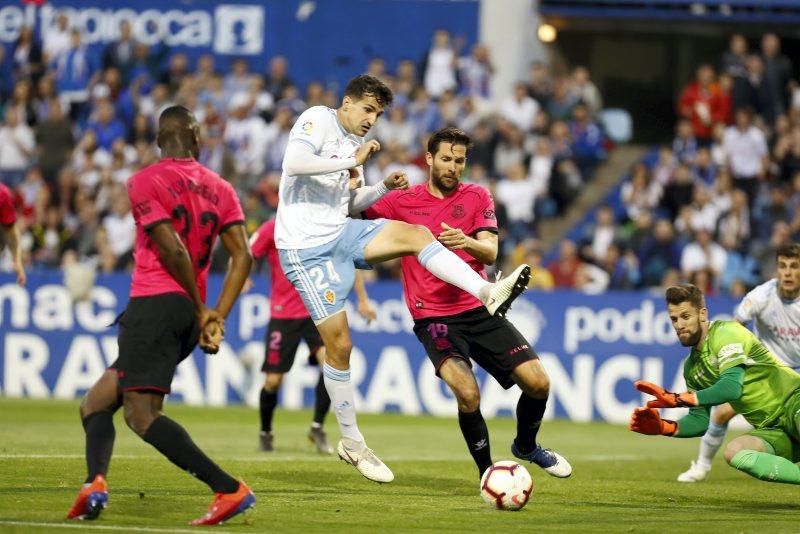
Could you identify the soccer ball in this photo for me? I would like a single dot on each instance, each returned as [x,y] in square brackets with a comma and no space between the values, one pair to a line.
[506,485]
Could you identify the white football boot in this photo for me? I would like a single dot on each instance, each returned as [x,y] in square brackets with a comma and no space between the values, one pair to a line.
[503,292]
[362,458]
[695,473]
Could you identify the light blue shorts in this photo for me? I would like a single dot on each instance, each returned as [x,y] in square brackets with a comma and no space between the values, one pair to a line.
[324,275]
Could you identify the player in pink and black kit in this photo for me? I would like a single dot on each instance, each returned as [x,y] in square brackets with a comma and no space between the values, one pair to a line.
[452,324]
[9,233]
[289,323]
[180,208]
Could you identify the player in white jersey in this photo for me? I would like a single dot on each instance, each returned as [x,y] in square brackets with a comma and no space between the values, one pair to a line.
[774,308]
[320,246]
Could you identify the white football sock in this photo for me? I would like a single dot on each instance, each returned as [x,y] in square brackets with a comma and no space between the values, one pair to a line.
[340,389]
[710,443]
[447,266]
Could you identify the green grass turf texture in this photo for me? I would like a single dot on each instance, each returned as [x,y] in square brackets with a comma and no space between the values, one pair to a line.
[622,482]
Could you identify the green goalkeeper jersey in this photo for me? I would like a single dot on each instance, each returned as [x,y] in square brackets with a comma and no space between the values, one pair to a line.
[767,381]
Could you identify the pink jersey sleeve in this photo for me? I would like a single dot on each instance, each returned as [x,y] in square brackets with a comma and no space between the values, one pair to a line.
[7,214]
[264,241]
[145,202]
[232,212]
[384,208]
[485,218]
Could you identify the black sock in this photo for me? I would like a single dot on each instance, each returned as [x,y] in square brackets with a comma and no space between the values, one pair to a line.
[174,442]
[477,437]
[322,402]
[100,433]
[529,418]
[266,404]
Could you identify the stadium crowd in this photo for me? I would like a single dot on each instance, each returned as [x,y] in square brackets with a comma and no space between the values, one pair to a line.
[711,208]
[74,125]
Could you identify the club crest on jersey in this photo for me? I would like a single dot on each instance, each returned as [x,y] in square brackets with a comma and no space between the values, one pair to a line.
[458,212]
[308,127]
[330,296]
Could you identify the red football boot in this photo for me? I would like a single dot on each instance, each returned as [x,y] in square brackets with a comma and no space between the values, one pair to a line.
[91,500]
[227,505]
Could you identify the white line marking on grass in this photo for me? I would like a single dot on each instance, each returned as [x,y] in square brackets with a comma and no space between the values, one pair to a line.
[285,457]
[84,525]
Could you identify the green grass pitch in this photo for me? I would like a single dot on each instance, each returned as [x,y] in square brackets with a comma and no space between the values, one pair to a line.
[622,482]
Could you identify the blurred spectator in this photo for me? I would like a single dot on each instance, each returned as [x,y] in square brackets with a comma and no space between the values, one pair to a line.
[106,127]
[659,254]
[120,228]
[120,53]
[685,145]
[704,168]
[277,78]
[739,265]
[601,235]
[177,71]
[75,70]
[17,146]
[565,268]
[56,39]
[561,101]
[475,72]
[540,84]
[440,65]
[529,251]
[518,194]
[734,63]
[238,80]
[703,253]
[747,153]
[587,139]
[584,90]
[622,268]
[701,214]
[700,102]
[679,192]
[22,99]
[777,77]
[54,141]
[27,57]
[246,138]
[640,193]
[396,130]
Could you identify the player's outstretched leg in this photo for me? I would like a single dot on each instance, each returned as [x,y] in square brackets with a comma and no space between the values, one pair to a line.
[710,443]
[143,415]
[756,457]
[97,415]
[322,403]
[535,385]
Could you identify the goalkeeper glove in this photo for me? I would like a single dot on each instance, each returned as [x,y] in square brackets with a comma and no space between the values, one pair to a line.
[648,421]
[664,398]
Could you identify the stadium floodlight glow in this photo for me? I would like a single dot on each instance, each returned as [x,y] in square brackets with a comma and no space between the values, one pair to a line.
[547,33]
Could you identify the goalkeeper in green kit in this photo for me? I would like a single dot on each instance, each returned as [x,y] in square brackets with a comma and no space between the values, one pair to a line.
[729,364]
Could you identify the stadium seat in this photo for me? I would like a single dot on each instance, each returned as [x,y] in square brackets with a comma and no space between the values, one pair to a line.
[618,124]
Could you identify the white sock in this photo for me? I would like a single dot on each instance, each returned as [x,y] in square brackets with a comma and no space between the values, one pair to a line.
[447,266]
[710,443]
[340,390]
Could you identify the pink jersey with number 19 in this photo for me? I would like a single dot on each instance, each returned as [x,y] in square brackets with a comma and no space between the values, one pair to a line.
[469,208]
[199,204]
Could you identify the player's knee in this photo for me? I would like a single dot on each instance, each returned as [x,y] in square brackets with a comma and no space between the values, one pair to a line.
[273,382]
[733,448]
[138,420]
[469,399]
[339,350]
[419,236]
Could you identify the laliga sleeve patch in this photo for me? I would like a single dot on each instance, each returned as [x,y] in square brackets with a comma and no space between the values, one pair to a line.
[728,351]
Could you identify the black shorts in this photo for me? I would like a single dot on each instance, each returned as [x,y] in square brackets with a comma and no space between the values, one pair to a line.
[494,343]
[155,334]
[283,338]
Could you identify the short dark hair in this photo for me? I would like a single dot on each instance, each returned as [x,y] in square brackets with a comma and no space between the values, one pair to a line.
[366,85]
[791,250]
[454,136]
[686,293]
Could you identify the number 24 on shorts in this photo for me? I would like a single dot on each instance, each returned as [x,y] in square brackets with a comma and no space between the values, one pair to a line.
[317,275]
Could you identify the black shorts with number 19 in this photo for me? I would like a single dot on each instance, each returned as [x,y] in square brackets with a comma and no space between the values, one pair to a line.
[283,339]
[494,343]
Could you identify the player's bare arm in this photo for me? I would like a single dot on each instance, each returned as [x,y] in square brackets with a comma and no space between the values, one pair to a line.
[11,237]
[483,247]
[234,239]
[365,307]
[176,259]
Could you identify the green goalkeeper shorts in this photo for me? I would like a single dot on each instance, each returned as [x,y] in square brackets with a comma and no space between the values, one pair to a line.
[785,438]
